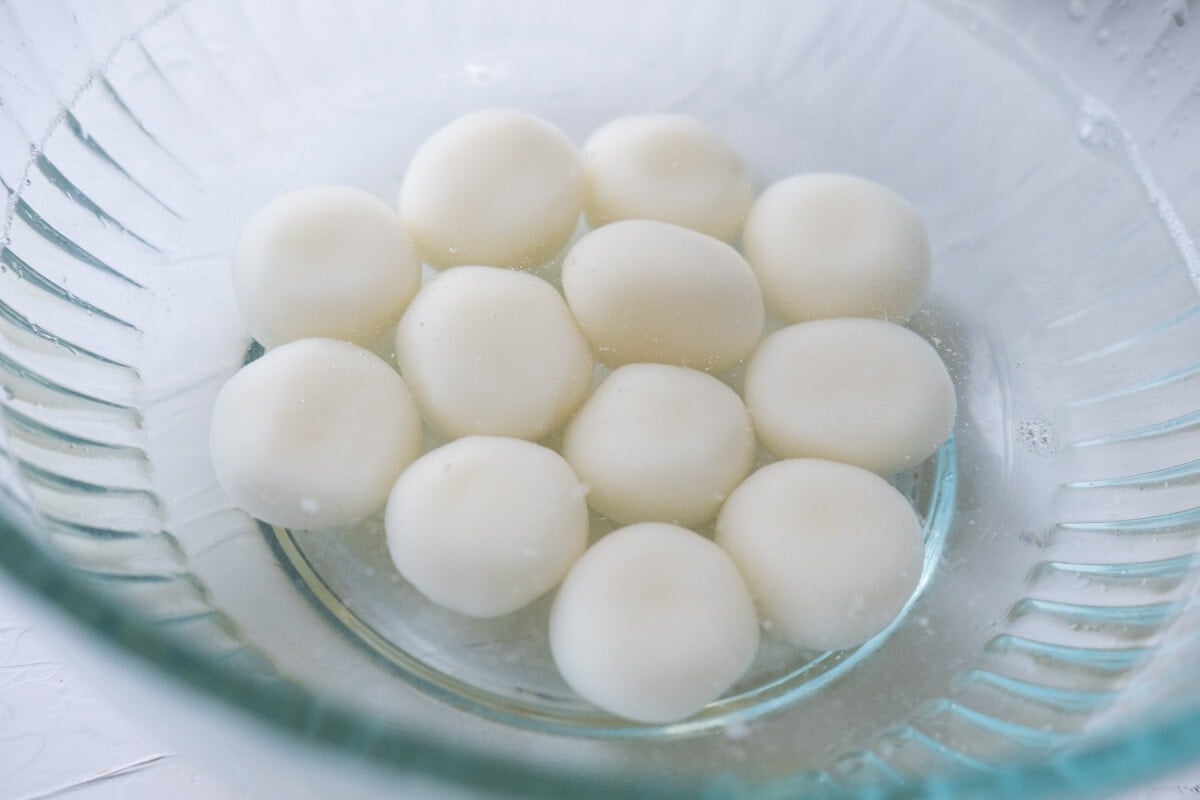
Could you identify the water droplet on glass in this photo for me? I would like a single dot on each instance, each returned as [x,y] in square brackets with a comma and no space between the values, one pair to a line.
[1103,35]
[1093,127]
[1091,133]
[890,743]
[485,73]
[1178,10]
[849,765]
[1077,9]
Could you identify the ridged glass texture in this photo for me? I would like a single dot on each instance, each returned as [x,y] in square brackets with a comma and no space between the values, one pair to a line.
[1050,146]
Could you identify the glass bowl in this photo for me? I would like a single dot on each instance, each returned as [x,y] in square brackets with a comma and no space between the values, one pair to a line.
[1049,147]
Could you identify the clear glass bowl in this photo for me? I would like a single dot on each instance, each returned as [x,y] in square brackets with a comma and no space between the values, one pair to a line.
[1051,149]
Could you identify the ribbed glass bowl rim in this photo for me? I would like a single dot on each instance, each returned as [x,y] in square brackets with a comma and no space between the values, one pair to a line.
[1143,751]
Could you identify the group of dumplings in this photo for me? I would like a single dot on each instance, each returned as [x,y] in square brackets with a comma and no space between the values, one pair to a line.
[641,387]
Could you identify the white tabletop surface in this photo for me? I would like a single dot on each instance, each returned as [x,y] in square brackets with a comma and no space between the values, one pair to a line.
[61,739]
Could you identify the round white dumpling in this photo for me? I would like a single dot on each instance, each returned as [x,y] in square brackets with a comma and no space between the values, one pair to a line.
[651,291]
[828,245]
[831,552]
[653,623]
[862,391]
[493,351]
[668,167]
[313,434]
[324,262]
[486,524]
[659,442]
[500,187]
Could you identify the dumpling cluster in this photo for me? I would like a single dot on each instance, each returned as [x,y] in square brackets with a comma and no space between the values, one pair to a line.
[617,369]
